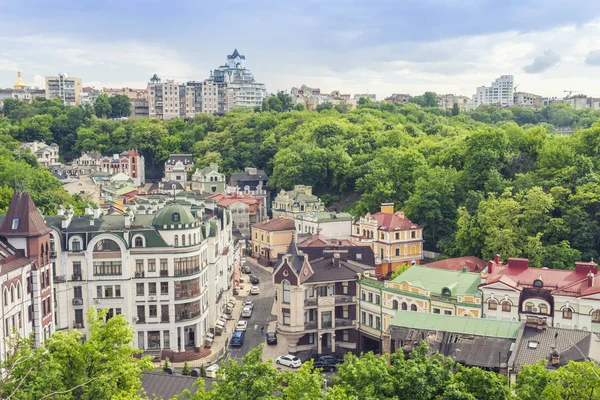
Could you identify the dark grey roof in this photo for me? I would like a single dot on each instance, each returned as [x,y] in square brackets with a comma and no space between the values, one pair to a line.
[325,271]
[168,185]
[360,254]
[245,176]
[570,343]
[235,54]
[166,386]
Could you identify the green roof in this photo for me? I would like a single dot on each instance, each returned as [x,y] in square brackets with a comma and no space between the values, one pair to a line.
[153,238]
[124,190]
[435,280]
[165,216]
[323,216]
[457,324]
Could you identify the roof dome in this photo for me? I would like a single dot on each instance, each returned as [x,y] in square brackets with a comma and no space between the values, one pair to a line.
[19,84]
[173,214]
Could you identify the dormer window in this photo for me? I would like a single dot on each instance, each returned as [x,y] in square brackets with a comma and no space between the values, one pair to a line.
[446,292]
[15,224]
[176,217]
[538,283]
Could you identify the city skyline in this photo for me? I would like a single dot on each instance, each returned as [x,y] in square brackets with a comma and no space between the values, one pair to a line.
[382,47]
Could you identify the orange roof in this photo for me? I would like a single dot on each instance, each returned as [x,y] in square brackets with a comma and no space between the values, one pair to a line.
[473,264]
[227,199]
[276,224]
[394,222]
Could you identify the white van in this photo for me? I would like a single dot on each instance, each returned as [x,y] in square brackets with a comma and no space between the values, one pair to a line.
[247,312]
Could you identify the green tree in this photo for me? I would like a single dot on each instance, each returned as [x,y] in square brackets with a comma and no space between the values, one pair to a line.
[120,106]
[102,107]
[275,104]
[186,369]
[324,106]
[455,109]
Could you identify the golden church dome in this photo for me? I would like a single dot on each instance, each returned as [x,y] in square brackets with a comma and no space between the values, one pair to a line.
[19,84]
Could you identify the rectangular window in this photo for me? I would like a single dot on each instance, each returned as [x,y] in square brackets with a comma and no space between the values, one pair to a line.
[152,311]
[377,299]
[78,316]
[363,317]
[326,320]
[447,312]
[370,297]
[107,268]
[164,267]
[311,338]
[99,292]
[436,310]
[139,266]
[117,290]
[152,288]
[345,289]
[164,312]
[164,288]
[345,313]
[370,319]
[363,295]
[152,265]
[397,252]
[397,235]
[108,291]
[166,341]
[141,313]
[321,291]
[377,322]
[345,335]
[287,319]
[77,292]
[139,289]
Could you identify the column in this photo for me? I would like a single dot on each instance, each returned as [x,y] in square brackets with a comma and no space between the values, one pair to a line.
[333,342]
[319,342]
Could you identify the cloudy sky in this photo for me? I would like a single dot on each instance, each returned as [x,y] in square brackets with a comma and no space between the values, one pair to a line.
[356,46]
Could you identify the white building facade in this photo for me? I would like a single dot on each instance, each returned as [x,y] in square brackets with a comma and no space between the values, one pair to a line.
[501,92]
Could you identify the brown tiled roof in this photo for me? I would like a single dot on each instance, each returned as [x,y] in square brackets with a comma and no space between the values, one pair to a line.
[394,222]
[473,264]
[30,222]
[276,224]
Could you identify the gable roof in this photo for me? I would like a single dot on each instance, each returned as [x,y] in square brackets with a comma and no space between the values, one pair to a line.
[235,54]
[276,224]
[29,220]
[186,159]
[320,240]
[325,270]
[393,222]
[435,280]
[473,264]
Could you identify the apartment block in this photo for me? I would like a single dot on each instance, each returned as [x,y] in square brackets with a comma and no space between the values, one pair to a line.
[64,87]
[500,92]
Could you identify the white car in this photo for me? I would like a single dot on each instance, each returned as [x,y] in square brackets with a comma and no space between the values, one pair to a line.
[249,304]
[289,361]
[247,312]
[254,290]
[241,326]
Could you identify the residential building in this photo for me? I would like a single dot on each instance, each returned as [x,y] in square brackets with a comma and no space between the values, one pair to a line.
[395,240]
[163,99]
[501,92]
[132,94]
[88,95]
[315,302]
[177,167]
[271,237]
[418,289]
[47,155]
[299,201]
[447,102]
[523,99]
[245,210]
[170,272]
[20,91]
[330,224]
[581,101]
[208,179]
[556,298]
[139,108]
[26,278]
[64,87]
[370,96]
[305,91]
[473,342]
[130,163]
[252,181]
[398,98]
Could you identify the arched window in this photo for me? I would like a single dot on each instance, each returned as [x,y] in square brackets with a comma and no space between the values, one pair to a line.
[529,306]
[12,294]
[106,245]
[395,304]
[5,296]
[176,240]
[492,305]
[176,217]
[183,240]
[195,238]
[506,306]
[286,291]
[413,307]
[538,283]
[19,290]
[543,309]
[76,245]
[139,242]
[567,313]
[446,292]
[404,306]
[596,316]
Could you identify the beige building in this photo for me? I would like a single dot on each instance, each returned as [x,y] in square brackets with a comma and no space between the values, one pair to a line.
[64,87]
[298,201]
[271,237]
[523,99]
[129,92]
[47,155]
[447,101]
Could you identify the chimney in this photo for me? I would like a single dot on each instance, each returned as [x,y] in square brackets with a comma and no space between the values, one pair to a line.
[336,260]
[387,208]
[555,356]
[97,212]
[518,263]
[590,279]
[88,209]
[497,258]
[61,210]
[464,269]
[490,267]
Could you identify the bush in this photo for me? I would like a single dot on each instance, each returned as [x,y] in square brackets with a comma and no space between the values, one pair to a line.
[165,366]
[202,371]
[186,369]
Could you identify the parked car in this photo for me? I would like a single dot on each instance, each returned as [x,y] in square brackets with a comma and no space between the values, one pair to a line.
[323,365]
[289,361]
[237,339]
[241,326]
[246,269]
[271,338]
[254,290]
[249,303]
[330,359]
[246,312]
[254,279]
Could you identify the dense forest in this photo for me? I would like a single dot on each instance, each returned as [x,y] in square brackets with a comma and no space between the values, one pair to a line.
[484,182]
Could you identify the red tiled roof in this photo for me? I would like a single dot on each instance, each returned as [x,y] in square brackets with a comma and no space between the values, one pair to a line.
[320,240]
[276,224]
[227,199]
[30,222]
[394,222]
[473,264]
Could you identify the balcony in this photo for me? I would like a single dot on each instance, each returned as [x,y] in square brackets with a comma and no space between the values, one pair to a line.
[78,325]
[77,301]
[341,299]
[164,272]
[164,318]
[187,315]
[310,302]
[76,277]
[344,322]
[61,278]
[326,324]
[310,325]
[186,294]
[141,319]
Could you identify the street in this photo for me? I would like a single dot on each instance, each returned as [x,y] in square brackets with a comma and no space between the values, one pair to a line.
[261,315]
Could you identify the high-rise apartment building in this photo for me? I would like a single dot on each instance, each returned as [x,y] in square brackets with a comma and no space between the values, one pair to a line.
[500,93]
[65,88]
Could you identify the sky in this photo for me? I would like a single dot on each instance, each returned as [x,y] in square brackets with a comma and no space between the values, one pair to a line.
[355,46]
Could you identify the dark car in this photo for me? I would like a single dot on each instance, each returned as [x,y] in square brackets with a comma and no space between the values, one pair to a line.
[254,279]
[271,338]
[237,339]
[246,269]
[325,366]
[330,359]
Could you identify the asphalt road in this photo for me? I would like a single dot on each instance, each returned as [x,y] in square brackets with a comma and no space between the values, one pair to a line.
[261,316]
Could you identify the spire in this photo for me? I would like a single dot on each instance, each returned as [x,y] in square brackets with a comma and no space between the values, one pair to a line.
[19,84]
[293,248]
[23,218]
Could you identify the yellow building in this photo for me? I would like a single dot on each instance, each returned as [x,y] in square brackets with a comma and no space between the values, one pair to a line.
[395,240]
[271,237]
